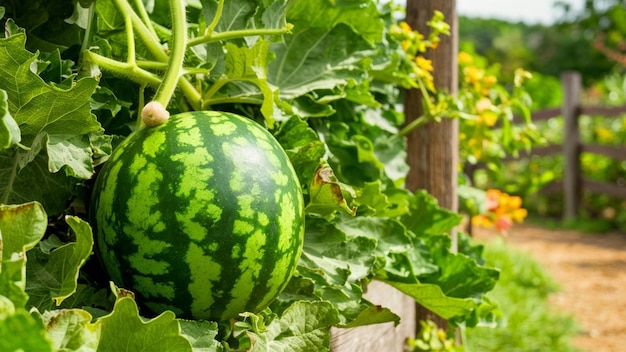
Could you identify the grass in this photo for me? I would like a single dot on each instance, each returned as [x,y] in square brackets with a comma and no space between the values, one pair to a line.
[529,323]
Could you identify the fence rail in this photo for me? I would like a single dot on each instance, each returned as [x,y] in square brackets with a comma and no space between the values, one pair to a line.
[574,184]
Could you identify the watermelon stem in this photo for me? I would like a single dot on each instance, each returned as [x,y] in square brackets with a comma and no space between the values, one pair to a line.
[177,57]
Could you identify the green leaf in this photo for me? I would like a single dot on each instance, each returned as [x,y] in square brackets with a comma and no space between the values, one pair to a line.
[54,276]
[427,217]
[21,228]
[373,315]
[249,65]
[316,58]
[9,130]
[37,106]
[71,330]
[303,327]
[72,152]
[340,257]
[371,200]
[460,275]
[43,111]
[33,182]
[431,297]
[20,331]
[201,334]
[362,16]
[246,14]
[125,330]
[303,147]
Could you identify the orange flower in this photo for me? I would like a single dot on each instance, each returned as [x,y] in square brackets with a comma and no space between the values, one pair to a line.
[502,211]
[503,223]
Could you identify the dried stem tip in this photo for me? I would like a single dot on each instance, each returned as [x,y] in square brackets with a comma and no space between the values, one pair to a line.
[154,114]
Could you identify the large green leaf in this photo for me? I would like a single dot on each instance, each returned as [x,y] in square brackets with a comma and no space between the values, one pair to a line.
[33,182]
[328,46]
[428,218]
[201,334]
[125,330]
[71,330]
[460,275]
[53,274]
[20,331]
[431,297]
[245,77]
[303,327]
[246,14]
[21,228]
[37,106]
[52,120]
[317,58]
[362,16]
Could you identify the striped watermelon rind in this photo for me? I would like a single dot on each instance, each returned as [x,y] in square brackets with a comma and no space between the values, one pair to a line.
[202,215]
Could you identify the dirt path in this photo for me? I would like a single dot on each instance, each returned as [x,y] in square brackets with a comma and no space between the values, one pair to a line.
[591,269]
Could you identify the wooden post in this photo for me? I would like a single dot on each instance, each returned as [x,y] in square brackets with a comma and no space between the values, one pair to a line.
[571,83]
[433,149]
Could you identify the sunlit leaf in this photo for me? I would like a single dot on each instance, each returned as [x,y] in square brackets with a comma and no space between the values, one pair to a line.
[125,330]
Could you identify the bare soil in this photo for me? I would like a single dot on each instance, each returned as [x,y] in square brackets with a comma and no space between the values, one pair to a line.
[591,271]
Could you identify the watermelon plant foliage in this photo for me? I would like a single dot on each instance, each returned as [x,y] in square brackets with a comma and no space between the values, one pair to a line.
[324,77]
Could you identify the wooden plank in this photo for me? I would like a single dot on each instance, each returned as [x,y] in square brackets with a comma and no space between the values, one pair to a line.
[609,189]
[545,114]
[571,83]
[543,150]
[614,152]
[604,111]
[551,188]
[379,337]
[538,115]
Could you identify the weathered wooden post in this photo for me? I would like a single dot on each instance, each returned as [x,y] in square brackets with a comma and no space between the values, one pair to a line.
[571,83]
[433,149]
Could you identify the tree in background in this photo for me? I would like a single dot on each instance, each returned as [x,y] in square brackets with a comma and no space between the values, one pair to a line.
[591,41]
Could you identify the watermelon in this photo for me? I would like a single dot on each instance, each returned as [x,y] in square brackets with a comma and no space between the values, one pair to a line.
[202,215]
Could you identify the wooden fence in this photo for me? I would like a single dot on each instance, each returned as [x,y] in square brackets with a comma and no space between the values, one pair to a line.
[574,184]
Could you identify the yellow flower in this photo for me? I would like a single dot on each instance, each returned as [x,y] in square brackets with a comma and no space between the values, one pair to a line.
[424,64]
[515,202]
[473,75]
[519,215]
[489,81]
[482,220]
[465,58]
[406,45]
[488,118]
[405,27]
